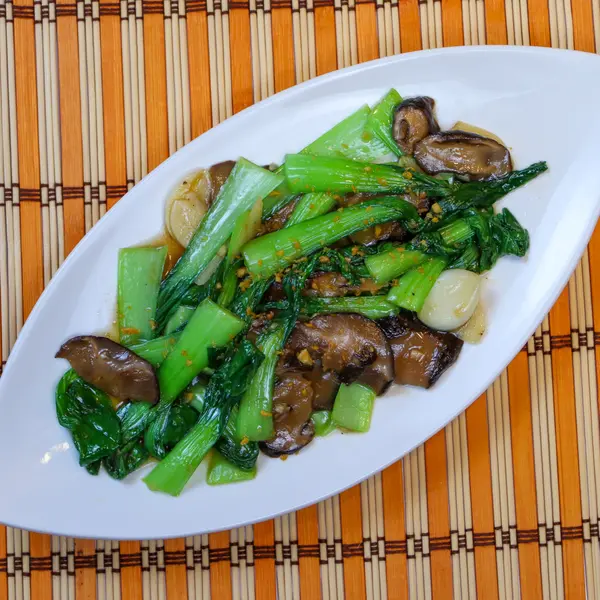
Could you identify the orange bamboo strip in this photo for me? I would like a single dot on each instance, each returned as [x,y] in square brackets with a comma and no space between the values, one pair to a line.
[85,578]
[410,25]
[354,573]
[131,576]
[325,39]
[156,90]
[452,23]
[28,155]
[40,546]
[283,49]
[481,494]
[583,26]
[395,534]
[176,575]
[366,32]
[539,23]
[566,436]
[264,537]
[220,570]
[241,59]
[308,535]
[437,513]
[495,22]
[524,473]
[114,108]
[200,104]
[70,129]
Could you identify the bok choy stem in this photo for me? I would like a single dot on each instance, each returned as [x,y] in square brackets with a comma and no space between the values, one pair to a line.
[415,285]
[246,184]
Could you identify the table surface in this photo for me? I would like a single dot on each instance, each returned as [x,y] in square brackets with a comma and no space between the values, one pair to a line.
[503,503]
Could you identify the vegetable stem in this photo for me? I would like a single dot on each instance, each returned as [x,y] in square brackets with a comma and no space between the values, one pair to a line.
[373,307]
[266,255]
[209,327]
[155,351]
[414,286]
[245,185]
[353,407]
[380,121]
[255,420]
[139,275]
[310,206]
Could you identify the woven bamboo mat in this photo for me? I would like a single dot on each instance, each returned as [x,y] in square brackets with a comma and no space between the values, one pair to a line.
[503,503]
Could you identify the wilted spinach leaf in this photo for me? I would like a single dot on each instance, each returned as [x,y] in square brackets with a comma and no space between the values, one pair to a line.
[88,414]
[168,428]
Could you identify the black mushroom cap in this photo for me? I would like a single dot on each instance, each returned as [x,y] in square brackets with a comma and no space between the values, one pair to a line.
[413,121]
[320,355]
[421,354]
[111,368]
[463,153]
[218,174]
[352,346]
[292,407]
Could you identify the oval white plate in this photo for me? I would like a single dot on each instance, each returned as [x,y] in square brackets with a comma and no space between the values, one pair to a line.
[518,93]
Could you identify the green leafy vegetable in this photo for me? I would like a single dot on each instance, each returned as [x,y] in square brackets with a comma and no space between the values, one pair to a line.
[266,255]
[244,186]
[224,390]
[168,428]
[381,120]
[323,422]
[222,471]
[237,450]
[140,272]
[353,407]
[88,414]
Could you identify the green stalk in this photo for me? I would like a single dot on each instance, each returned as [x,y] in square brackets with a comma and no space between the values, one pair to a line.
[229,285]
[255,420]
[238,451]
[139,276]
[396,260]
[155,351]
[414,286]
[223,392]
[372,307]
[347,138]
[381,119]
[266,255]
[246,184]
[179,318]
[353,407]
[222,471]
[210,327]
[323,422]
[306,174]
[392,263]
[310,206]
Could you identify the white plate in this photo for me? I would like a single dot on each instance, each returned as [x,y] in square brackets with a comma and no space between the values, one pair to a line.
[542,103]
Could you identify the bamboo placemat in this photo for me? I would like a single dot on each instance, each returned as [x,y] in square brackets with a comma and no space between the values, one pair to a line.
[503,503]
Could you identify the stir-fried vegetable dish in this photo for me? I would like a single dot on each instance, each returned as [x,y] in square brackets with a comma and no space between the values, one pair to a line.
[296,294]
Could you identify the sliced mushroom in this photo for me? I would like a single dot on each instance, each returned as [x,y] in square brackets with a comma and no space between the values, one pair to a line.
[351,345]
[413,121]
[292,407]
[325,385]
[469,155]
[421,354]
[111,368]
[279,219]
[218,176]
